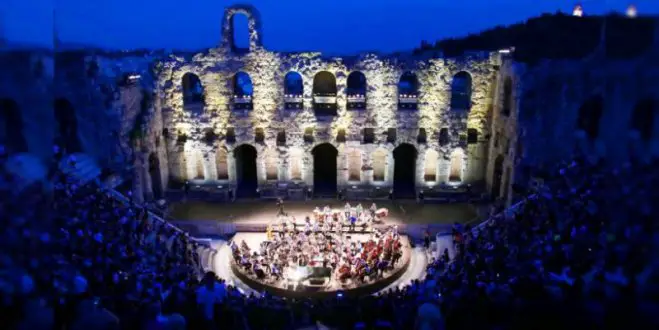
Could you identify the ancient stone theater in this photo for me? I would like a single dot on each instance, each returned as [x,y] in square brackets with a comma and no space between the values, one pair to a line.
[249,122]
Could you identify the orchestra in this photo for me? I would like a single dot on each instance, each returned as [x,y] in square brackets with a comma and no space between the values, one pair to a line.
[321,241]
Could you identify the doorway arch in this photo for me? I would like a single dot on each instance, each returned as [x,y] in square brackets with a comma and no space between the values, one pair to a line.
[67,127]
[405,171]
[154,173]
[324,170]
[497,177]
[11,127]
[246,178]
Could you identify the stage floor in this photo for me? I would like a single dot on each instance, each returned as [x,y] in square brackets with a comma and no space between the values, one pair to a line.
[259,212]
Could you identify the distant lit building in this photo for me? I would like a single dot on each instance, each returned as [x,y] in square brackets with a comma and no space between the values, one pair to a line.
[577,11]
[631,11]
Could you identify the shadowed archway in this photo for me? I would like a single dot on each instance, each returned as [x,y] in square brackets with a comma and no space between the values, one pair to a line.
[497,177]
[66,134]
[405,171]
[154,173]
[324,170]
[589,117]
[11,127]
[246,179]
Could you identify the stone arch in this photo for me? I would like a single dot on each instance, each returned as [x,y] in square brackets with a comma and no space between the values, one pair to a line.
[66,134]
[461,86]
[589,117]
[507,96]
[11,127]
[293,84]
[222,164]
[156,176]
[193,90]
[356,85]
[644,119]
[253,26]
[497,177]
[431,164]
[242,84]
[246,172]
[379,164]
[408,84]
[198,171]
[295,164]
[457,166]
[354,164]
[325,169]
[404,184]
[324,93]
[271,164]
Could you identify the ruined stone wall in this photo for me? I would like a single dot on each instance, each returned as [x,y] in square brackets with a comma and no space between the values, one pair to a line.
[267,70]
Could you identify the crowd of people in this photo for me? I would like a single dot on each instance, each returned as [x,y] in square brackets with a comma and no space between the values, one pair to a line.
[579,253]
[339,259]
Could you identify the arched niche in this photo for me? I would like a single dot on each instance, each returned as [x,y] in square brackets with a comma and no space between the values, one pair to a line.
[324,94]
[643,124]
[325,169]
[156,177]
[405,160]
[497,177]
[408,91]
[246,174]
[242,85]
[66,134]
[222,164]
[295,163]
[430,166]
[461,91]
[11,127]
[293,84]
[253,27]
[193,90]
[356,91]
[589,117]
[354,159]
[198,170]
[379,164]
[456,168]
[271,163]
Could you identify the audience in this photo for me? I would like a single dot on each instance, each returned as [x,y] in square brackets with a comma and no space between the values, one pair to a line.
[580,252]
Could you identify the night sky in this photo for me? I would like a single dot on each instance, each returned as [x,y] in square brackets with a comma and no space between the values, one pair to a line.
[334,27]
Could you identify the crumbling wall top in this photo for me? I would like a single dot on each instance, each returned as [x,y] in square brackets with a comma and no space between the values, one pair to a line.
[254,26]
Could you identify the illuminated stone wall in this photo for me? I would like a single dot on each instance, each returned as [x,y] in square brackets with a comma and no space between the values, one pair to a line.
[216,67]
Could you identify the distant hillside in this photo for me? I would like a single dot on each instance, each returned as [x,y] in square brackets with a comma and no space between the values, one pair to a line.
[557,36]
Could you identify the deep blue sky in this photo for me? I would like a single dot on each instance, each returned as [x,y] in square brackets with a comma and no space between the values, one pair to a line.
[331,26]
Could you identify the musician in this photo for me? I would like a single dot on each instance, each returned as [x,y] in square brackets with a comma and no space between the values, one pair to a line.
[346,210]
[280,205]
[268,233]
[359,209]
[373,209]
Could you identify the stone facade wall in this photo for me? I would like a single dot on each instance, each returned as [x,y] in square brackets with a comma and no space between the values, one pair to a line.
[216,68]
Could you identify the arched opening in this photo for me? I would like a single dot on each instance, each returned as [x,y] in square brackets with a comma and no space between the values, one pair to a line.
[271,162]
[324,94]
[293,85]
[379,164]
[242,85]
[354,158]
[497,177]
[221,164]
[240,35]
[295,164]
[242,91]
[461,91]
[199,172]
[67,127]
[430,166]
[408,91]
[154,173]
[11,127]
[643,119]
[507,96]
[457,166]
[356,91]
[506,183]
[405,171]
[193,90]
[246,179]
[356,84]
[324,170]
[589,117]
